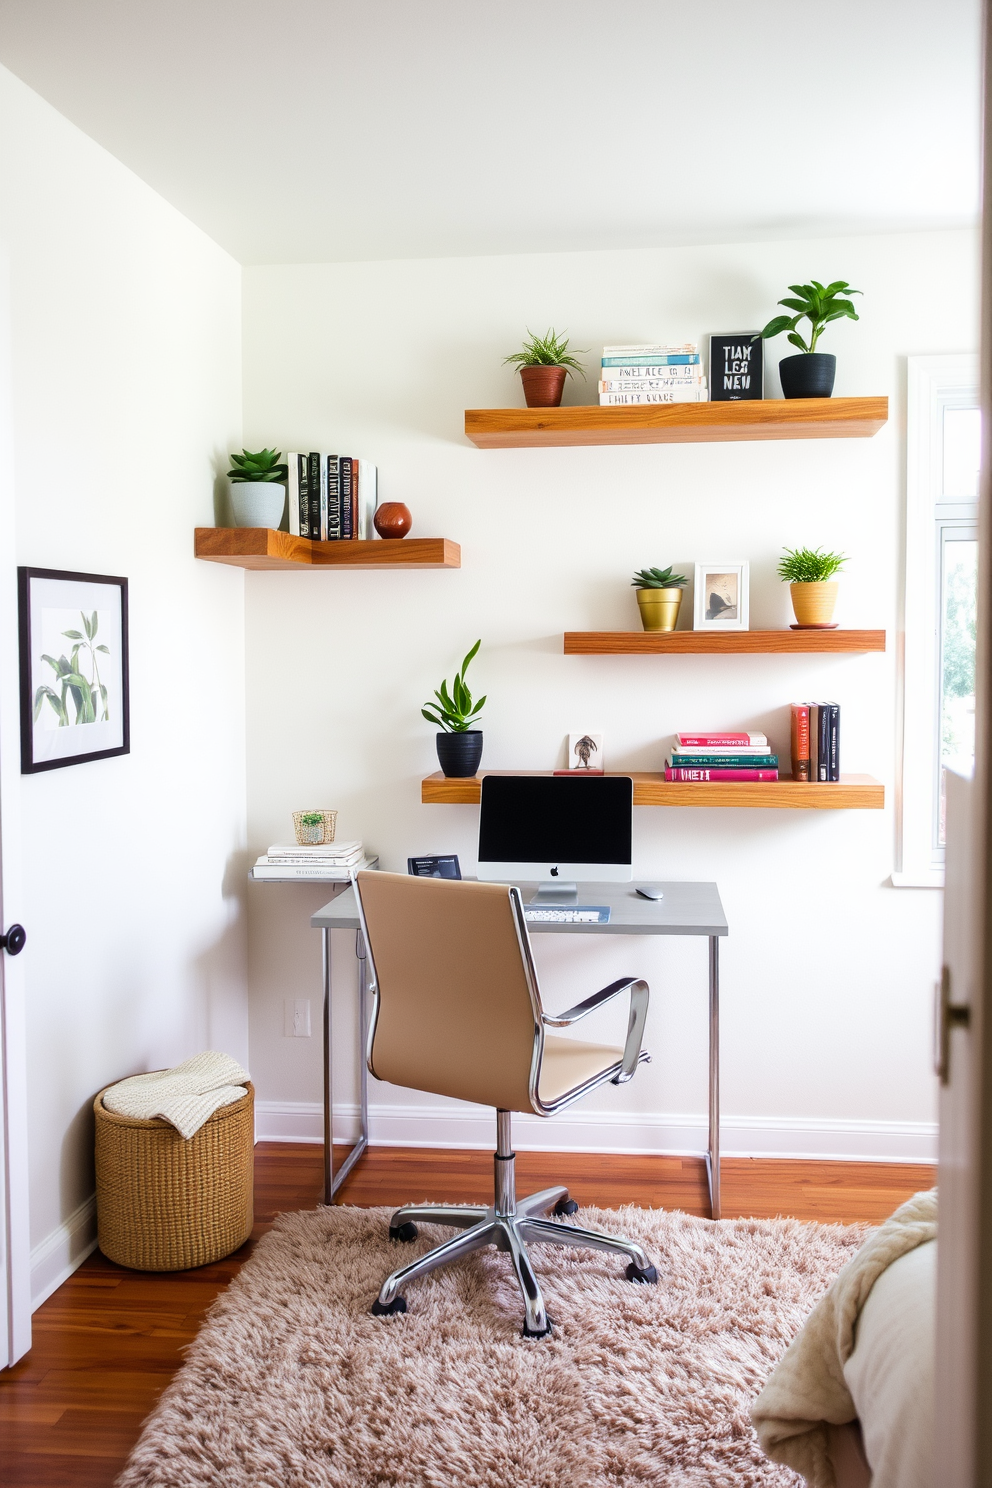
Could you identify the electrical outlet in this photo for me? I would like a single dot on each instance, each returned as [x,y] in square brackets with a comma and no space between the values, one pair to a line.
[297,1017]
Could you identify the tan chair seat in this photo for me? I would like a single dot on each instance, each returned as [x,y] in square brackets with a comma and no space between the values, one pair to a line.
[569,1062]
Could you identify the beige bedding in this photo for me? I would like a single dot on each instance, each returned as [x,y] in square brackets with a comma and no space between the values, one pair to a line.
[809,1389]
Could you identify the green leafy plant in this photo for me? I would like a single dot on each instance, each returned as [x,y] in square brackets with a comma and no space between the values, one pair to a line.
[549,350]
[88,695]
[809,565]
[657,578]
[455,712]
[312,818]
[263,466]
[815,302]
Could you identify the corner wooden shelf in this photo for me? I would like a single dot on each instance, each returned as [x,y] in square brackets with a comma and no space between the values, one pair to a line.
[850,793]
[676,423]
[710,643]
[261,547]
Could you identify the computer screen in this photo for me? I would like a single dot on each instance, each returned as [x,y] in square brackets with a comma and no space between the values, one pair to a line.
[552,827]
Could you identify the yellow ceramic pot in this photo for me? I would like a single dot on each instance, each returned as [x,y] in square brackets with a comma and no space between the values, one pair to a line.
[659,608]
[814,603]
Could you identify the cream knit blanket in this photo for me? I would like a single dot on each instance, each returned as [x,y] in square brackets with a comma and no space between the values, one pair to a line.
[807,1389]
[187,1095]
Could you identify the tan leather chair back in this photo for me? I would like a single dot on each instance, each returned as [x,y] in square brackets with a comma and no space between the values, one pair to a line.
[455,1013]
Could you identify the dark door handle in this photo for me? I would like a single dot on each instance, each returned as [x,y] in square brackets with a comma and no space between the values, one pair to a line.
[13,941]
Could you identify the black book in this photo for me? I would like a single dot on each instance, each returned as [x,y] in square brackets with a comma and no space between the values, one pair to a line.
[333,499]
[344,465]
[313,492]
[823,742]
[304,489]
[833,740]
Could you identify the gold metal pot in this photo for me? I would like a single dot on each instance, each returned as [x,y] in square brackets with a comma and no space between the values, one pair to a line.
[814,603]
[659,608]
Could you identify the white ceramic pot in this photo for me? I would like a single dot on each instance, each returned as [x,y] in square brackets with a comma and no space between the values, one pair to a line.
[258,503]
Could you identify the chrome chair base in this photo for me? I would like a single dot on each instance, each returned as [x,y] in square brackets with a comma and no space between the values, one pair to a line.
[511,1225]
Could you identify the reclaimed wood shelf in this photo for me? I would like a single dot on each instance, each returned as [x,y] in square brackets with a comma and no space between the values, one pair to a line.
[712,643]
[262,547]
[676,423]
[850,793]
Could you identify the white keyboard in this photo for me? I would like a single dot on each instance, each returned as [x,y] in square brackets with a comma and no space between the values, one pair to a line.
[544,916]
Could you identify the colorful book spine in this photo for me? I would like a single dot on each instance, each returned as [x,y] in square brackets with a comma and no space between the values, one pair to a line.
[651,359]
[823,742]
[313,487]
[800,741]
[702,775]
[832,740]
[712,741]
[356,499]
[344,466]
[333,499]
[762,761]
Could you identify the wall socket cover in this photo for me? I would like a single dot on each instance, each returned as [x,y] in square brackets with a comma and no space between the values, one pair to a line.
[297,1017]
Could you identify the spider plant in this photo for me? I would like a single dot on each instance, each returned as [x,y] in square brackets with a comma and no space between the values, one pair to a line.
[549,350]
[809,565]
[88,695]
[815,302]
[455,712]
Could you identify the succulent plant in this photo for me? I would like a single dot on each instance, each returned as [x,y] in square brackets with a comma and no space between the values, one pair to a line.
[809,565]
[312,818]
[658,578]
[455,712]
[549,350]
[263,466]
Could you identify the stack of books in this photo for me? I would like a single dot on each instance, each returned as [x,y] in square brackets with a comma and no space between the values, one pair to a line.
[816,742]
[332,498]
[653,374]
[711,757]
[335,860]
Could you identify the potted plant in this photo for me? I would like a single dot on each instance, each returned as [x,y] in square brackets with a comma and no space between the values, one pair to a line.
[811,373]
[810,576]
[459,745]
[544,363]
[257,496]
[659,597]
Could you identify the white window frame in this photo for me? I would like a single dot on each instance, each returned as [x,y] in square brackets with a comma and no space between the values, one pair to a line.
[933,384]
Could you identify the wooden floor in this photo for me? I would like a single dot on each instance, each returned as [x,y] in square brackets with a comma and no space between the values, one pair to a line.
[107,1342]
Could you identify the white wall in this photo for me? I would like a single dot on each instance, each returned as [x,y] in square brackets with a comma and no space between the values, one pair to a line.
[827,971]
[126,372]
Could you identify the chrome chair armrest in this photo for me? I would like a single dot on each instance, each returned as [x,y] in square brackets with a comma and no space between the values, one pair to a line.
[639,994]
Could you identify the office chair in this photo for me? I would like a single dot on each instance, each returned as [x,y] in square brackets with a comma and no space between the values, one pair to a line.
[457,1011]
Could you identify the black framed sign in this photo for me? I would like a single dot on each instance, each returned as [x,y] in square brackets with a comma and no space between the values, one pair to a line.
[735,367]
[74,668]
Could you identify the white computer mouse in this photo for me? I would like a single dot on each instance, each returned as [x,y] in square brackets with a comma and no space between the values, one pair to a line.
[649,891]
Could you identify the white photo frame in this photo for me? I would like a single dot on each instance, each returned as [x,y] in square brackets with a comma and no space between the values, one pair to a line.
[720,596]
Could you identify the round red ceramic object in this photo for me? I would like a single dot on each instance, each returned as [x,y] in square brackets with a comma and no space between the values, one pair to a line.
[392,519]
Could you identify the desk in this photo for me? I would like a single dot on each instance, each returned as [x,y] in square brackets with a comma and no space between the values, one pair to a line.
[685,909]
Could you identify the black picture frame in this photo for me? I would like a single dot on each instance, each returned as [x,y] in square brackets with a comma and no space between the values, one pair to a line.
[443,865]
[33,758]
[736,367]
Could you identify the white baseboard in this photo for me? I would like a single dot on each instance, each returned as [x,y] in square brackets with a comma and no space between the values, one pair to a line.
[589,1131]
[54,1259]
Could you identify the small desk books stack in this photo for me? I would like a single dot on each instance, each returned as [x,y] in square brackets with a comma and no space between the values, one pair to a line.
[653,374]
[335,860]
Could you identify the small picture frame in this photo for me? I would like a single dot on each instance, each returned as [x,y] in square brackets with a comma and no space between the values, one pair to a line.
[73,645]
[720,597]
[585,754]
[736,367]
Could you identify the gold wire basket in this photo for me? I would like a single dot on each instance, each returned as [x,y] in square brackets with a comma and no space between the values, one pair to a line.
[315,834]
[165,1203]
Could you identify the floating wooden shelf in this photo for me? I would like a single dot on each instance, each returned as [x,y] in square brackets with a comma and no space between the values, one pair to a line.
[676,423]
[261,547]
[711,643]
[851,792]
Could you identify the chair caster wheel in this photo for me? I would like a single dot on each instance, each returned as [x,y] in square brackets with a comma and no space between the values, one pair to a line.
[634,1273]
[565,1206]
[398,1304]
[404,1232]
[526,1332]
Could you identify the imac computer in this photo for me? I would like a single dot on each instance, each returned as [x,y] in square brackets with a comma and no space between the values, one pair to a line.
[555,830]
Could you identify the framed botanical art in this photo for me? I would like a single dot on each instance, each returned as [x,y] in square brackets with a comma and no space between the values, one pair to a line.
[720,597]
[74,668]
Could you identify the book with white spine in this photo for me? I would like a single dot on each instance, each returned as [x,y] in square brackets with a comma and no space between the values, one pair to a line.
[649,384]
[672,395]
[650,347]
[670,371]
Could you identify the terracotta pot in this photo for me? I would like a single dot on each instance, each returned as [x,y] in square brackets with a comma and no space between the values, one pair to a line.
[392,519]
[543,386]
[814,603]
[659,608]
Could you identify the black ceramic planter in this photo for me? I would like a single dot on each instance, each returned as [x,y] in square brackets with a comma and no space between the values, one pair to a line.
[459,754]
[809,375]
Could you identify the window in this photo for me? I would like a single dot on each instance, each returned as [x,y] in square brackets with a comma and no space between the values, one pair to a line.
[940,598]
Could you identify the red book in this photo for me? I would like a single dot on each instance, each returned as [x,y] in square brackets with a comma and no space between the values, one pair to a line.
[800,741]
[702,740]
[685,773]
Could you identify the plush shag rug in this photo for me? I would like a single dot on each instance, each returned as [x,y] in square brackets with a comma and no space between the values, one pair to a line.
[291,1382]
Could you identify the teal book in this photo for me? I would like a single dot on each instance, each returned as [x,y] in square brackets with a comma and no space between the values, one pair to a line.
[723,761]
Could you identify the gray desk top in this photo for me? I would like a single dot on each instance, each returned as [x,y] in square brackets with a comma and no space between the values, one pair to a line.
[686,909]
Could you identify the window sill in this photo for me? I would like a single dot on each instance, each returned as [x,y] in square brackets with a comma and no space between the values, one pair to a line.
[923,879]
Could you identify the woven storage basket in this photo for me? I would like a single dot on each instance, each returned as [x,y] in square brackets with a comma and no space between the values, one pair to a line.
[166,1204]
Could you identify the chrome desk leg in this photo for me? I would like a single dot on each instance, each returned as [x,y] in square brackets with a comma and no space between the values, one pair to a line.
[713,1153]
[325,936]
[332,1180]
